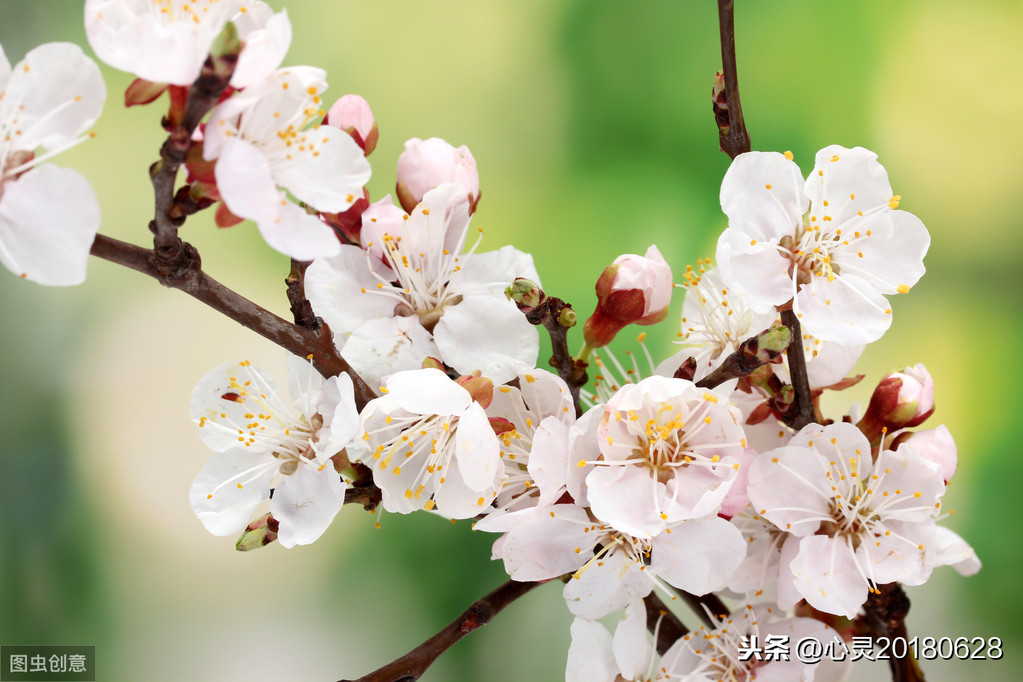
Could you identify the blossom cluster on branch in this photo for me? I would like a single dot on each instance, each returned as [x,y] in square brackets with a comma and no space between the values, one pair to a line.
[710,474]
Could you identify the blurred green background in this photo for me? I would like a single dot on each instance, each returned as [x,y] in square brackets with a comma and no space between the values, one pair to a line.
[591,124]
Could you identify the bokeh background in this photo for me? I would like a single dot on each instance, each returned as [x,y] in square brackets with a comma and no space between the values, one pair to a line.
[591,124]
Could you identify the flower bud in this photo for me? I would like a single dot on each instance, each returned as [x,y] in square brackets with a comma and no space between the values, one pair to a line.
[937,447]
[352,114]
[259,533]
[526,293]
[425,164]
[632,290]
[901,400]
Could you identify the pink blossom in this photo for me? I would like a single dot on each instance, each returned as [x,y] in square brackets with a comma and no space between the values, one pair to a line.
[425,164]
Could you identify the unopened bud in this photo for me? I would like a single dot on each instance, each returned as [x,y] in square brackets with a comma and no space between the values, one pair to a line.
[425,164]
[901,400]
[259,533]
[567,317]
[526,293]
[632,290]
[352,114]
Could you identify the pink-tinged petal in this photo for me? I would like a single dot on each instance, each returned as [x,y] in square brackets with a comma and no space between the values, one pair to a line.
[757,267]
[266,43]
[937,447]
[909,485]
[247,187]
[590,656]
[825,573]
[632,649]
[330,175]
[582,437]
[477,450]
[306,502]
[762,195]
[831,363]
[616,496]
[340,290]
[606,585]
[443,214]
[850,181]
[795,629]
[788,594]
[48,220]
[229,488]
[889,252]
[737,498]
[787,487]
[427,391]
[699,555]
[487,333]
[949,549]
[900,554]
[846,310]
[219,407]
[59,93]
[380,347]
[549,543]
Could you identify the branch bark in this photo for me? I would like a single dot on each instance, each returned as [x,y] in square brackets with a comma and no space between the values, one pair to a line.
[413,664]
[735,140]
[801,412]
[189,278]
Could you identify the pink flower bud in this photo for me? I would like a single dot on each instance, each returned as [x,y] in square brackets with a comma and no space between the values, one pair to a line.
[425,164]
[352,114]
[901,400]
[380,218]
[632,290]
[937,447]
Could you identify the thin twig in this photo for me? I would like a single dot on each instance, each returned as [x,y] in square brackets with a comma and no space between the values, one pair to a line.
[202,95]
[735,140]
[885,616]
[189,278]
[801,411]
[754,352]
[300,306]
[413,664]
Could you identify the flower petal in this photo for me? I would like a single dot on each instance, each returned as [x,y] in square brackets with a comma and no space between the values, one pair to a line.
[698,555]
[762,195]
[849,180]
[477,450]
[229,488]
[48,220]
[384,346]
[306,502]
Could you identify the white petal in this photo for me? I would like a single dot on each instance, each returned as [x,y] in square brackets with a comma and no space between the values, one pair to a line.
[264,49]
[330,178]
[384,346]
[306,502]
[892,255]
[59,94]
[495,270]
[621,497]
[487,333]
[48,220]
[787,474]
[335,287]
[846,310]
[341,421]
[751,207]
[756,268]
[218,406]
[590,658]
[305,384]
[850,180]
[632,648]
[427,391]
[548,459]
[457,500]
[477,450]
[245,183]
[543,546]
[606,586]
[229,488]
[825,573]
[699,555]
[951,550]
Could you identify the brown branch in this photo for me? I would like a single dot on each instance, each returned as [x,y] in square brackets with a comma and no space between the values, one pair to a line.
[189,278]
[754,352]
[661,619]
[169,250]
[885,616]
[413,664]
[735,139]
[300,306]
[800,412]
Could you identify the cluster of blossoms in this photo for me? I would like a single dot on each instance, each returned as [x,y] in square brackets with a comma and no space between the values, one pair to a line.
[690,480]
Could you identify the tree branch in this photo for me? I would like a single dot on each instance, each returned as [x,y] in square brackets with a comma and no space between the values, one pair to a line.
[735,138]
[885,615]
[754,352]
[661,619]
[801,411]
[189,278]
[413,664]
[300,306]
[717,608]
